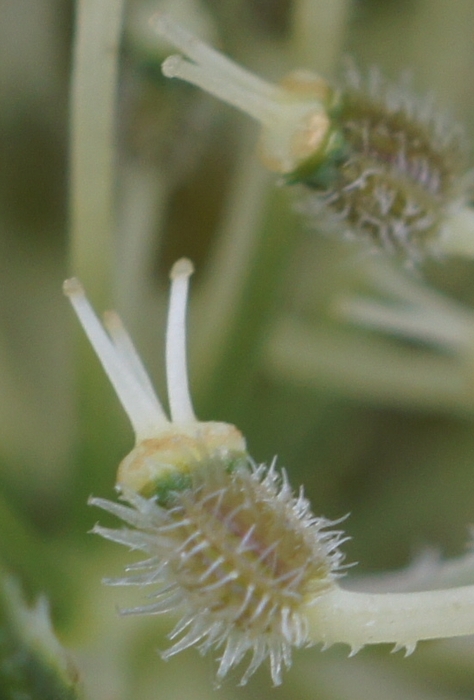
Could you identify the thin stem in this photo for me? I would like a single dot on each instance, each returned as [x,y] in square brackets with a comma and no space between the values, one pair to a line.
[143,193]
[92,140]
[420,312]
[181,407]
[144,413]
[402,286]
[402,619]
[366,367]
[254,301]
[237,239]
[428,571]
[440,329]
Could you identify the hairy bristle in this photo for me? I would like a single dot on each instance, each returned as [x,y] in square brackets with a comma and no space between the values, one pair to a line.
[398,179]
[239,556]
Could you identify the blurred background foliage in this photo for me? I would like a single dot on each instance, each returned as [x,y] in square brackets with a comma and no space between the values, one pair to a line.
[371,423]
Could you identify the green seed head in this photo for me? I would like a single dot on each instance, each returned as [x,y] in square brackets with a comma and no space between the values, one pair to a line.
[393,179]
[236,555]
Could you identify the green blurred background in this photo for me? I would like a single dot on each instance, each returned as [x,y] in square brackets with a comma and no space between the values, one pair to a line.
[338,404]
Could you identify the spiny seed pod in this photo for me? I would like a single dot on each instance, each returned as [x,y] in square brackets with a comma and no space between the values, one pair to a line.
[236,555]
[399,175]
[372,162]
[230,548]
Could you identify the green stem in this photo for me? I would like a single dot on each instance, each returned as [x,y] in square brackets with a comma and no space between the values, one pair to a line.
[143,197]
[223,287]
[92,140]
[240,346]
[92,223]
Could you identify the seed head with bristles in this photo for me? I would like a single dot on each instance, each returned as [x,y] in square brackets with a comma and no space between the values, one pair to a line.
[236,556]
[230,548]
[371,162]
[404,174]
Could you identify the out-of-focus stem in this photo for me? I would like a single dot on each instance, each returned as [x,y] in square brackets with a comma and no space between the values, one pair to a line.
[427,571]
[223,286]
[92,179]
[367,368]
[318,33]
[254,301]
[98,25]
[451,330]
[143,196]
